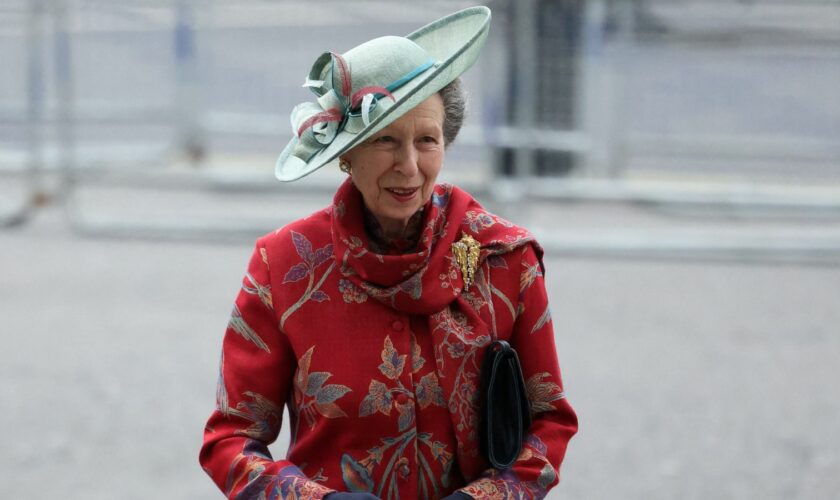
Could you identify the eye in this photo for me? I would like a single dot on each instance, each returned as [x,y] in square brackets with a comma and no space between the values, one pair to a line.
[428,139]
[384,139]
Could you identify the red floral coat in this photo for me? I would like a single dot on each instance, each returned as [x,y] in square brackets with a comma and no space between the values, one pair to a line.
[378,356]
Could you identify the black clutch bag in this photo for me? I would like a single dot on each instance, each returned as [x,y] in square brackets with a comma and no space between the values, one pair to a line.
[505,411]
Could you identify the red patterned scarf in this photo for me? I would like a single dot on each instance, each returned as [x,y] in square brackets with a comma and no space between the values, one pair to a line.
[428,282]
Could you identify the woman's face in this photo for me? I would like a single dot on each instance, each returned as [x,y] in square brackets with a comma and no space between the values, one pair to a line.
[395,170]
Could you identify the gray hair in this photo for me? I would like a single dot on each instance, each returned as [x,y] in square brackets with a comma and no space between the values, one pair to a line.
[454,109]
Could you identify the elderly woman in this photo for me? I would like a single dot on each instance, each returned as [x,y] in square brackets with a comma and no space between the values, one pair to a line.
[370,319]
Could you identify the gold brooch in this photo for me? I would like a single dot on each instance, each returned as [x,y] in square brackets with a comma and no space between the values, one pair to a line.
[466,255]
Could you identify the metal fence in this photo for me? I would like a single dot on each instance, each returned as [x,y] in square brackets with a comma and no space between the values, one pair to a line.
[689,106]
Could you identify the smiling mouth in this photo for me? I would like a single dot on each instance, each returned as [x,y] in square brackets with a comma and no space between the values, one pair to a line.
[402,194]
[402,191]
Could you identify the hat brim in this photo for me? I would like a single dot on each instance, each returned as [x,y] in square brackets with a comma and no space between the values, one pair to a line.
[453,41]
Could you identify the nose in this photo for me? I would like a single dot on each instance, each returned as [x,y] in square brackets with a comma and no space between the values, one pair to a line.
[406,158]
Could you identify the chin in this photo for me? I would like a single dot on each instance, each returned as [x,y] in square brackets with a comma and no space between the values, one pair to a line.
[403,213]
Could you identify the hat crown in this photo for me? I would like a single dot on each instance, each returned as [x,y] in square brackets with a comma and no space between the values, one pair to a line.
[381,62]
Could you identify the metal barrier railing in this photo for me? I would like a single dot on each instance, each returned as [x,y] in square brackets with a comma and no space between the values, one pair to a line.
[184,78]
[192,126]
[607,138]
[29,118]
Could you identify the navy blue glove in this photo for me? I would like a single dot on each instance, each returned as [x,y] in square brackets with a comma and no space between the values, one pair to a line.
[458,495]
[350,496]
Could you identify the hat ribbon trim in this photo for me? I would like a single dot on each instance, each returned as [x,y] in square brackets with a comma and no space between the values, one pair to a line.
[343,74]
[330,115]
[408,77]
[365,98]
[375,91]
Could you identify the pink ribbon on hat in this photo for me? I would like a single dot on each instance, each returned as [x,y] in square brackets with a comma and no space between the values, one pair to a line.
[359,98]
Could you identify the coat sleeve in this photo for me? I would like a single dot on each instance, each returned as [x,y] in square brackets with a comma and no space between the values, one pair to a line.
[255,377]
[553,421]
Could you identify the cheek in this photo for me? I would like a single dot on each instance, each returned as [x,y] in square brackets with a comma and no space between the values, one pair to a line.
[432,167]
[368,171]
[368,185]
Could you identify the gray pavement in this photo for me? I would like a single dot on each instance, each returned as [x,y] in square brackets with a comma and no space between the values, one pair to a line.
[691,379]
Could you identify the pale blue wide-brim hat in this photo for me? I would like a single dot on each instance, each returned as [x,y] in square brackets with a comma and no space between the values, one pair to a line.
[371,85]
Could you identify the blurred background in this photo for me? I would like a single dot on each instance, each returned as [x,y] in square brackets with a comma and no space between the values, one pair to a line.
[678,159]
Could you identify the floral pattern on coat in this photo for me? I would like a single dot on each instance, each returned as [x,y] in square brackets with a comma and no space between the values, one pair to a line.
[377,358]
[360,475]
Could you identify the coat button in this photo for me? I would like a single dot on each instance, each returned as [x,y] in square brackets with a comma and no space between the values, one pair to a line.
[402,398]
[397,325]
